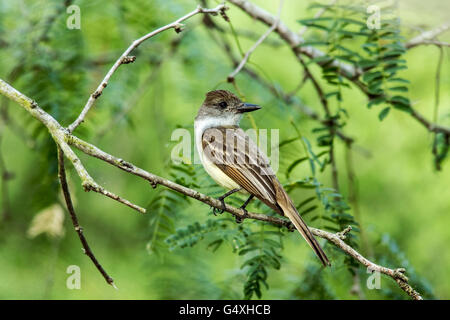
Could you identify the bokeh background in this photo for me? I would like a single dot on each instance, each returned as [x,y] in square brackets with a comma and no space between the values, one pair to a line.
[404,202]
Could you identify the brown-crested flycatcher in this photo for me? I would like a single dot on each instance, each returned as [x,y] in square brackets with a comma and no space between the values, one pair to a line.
[235,162]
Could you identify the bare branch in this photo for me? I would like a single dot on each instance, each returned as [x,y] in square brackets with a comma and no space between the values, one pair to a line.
[428,37]
[124,58]
[5,177]
[233,74]
[143,87]
[397,274]
[291,38]
[73,216]
[433,42]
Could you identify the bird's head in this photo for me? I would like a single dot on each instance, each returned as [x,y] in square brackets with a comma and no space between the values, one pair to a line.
[225,105]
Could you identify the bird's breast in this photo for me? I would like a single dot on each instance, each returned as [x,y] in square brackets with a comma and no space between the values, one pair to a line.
[214,171]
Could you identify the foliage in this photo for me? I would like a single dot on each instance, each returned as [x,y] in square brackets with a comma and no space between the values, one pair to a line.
[194,254]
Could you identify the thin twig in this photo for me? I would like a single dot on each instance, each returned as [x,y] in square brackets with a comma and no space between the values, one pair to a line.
[330,123]
[291,38]
[428,37]
[5,177]
[437,93]
[353,197]
[79,230]
[143,88]
[176,25]
[397,274]
[233,74]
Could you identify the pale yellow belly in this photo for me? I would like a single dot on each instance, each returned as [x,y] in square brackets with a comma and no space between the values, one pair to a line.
[218,175]
[215,173]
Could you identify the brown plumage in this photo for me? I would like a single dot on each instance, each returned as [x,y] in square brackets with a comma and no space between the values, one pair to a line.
[231,150]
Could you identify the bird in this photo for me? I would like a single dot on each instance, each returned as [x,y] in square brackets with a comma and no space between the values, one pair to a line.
[234,161]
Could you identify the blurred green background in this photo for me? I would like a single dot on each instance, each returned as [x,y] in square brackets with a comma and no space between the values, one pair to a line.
[404,202]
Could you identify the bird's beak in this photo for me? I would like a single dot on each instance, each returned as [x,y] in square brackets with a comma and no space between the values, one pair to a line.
[247,107]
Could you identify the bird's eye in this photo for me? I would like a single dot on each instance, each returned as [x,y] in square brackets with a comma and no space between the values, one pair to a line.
[223,104]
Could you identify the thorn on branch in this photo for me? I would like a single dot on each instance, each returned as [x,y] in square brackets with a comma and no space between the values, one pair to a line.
[399,273]
[87,186]
[224,15]
[179,27]
[128,59]
[153,184]
[125,164]
[97,93]
[343,234]
[240,219]
[290,226]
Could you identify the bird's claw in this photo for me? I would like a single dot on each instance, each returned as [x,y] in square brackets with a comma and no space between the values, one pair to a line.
[217,210]
[240,219]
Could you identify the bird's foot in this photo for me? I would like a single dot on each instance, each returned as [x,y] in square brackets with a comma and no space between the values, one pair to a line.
[217,210]
[221,199]
[243,217]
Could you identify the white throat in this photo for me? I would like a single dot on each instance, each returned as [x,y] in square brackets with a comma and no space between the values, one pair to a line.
[203,123]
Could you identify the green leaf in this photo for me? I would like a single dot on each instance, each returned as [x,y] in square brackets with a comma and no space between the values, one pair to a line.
[368,77]
[376,101]
[401,89]
[293,165]
[367,63]
[306,211]
[384,113]
[398,80]
[286,142]
[400,100]
[321,60]
[304,202]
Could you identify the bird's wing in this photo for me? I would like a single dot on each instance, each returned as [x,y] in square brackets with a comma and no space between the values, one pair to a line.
[231,150]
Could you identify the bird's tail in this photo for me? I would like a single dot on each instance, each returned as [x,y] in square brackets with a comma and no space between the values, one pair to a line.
[291,212]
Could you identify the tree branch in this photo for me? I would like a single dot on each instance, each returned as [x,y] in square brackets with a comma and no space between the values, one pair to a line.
[233,74]
[428,37]
[79,230]
[291,38]
[59,135]
[5,177]
[397,274]
[124,58]
[294,41]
